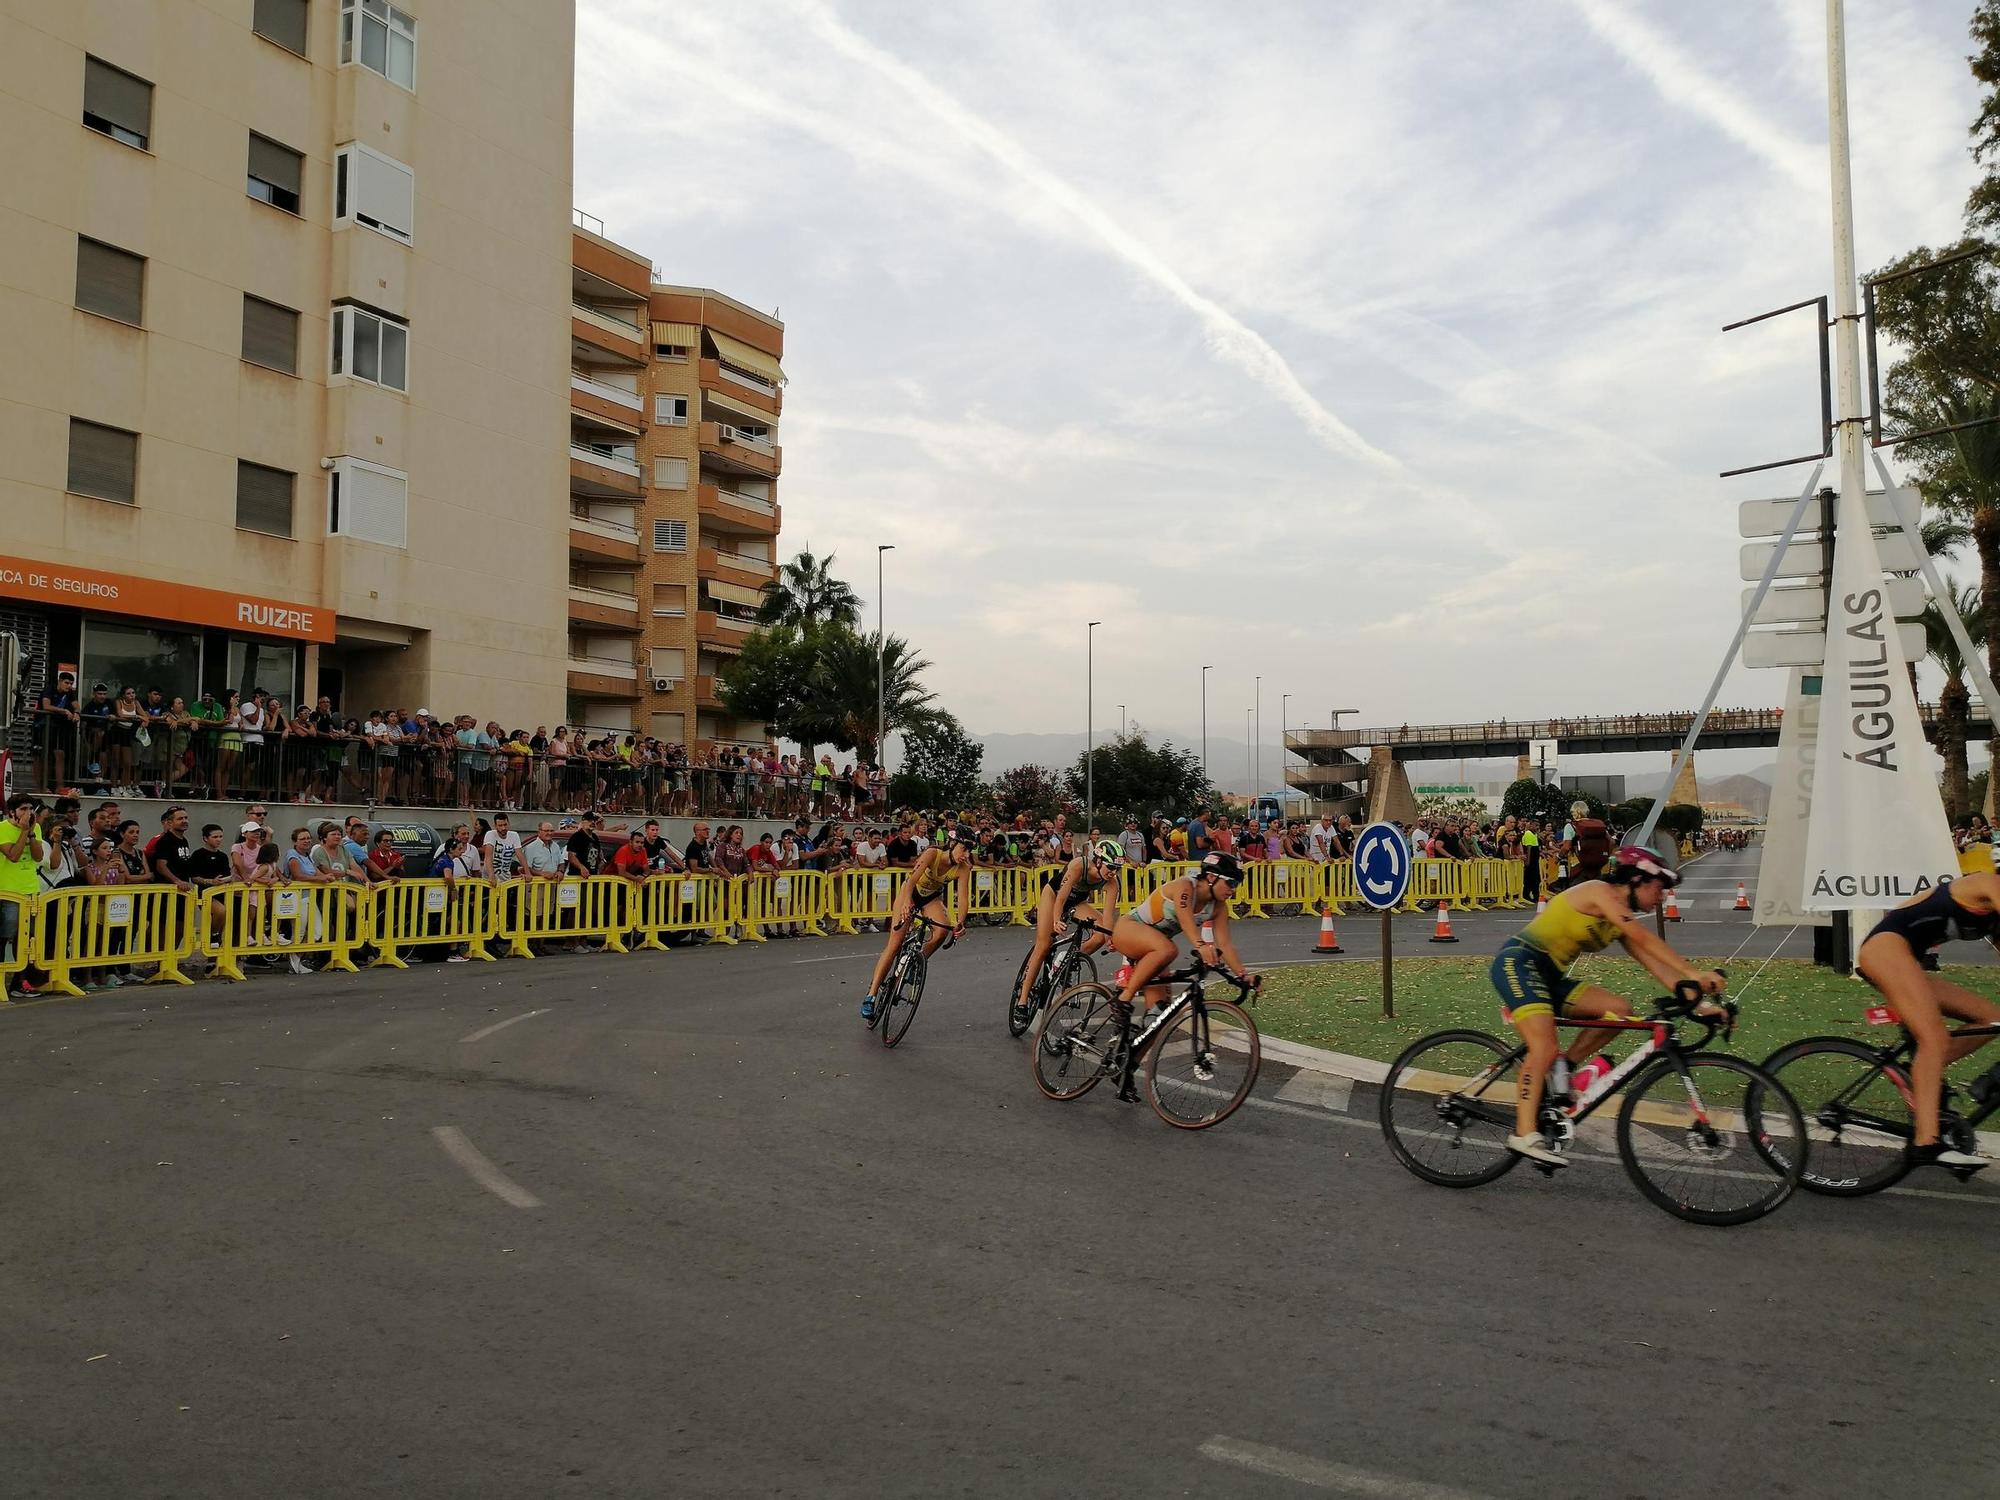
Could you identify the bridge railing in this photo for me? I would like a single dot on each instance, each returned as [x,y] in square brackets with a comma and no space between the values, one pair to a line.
[1740,720]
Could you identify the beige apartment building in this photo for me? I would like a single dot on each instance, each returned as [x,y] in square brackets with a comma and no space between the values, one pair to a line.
[675,394]
[284,395]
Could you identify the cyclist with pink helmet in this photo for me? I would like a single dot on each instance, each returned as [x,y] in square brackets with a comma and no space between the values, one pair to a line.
[1531,973]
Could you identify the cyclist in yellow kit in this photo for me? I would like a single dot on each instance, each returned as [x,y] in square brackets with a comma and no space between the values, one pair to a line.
[1531,972]
[924,892]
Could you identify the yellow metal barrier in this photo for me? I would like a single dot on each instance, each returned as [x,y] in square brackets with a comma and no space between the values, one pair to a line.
[1009,892]
[684,903]
[865,896]
[25,922]
[1976,859]
[1137,882]
[577,906]
[411,913]
[797,896]
[1278,882]
[103,927]
[286,920]
[1433,880]
[1340,887]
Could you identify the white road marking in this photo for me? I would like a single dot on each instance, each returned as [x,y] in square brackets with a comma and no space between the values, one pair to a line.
[1323,1475]
[1326,1090]
[838,958]
[480,1170]
[486,1031]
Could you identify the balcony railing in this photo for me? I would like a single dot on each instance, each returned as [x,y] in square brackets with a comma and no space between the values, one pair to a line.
[605,392]
[605,666]
[743,625]
[609,598]
[606,458]
[622,531]
[730,434]
[610,322]
[744,377]
[717,556]
[749,502]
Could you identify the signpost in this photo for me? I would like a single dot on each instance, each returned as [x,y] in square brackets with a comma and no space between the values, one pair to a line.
[1382,876]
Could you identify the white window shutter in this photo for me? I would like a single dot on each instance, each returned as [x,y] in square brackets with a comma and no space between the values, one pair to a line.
[670,536]
[670,473]
[384,194]
[374,504]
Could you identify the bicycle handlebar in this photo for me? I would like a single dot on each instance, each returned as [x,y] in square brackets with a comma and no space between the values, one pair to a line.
[1197,970]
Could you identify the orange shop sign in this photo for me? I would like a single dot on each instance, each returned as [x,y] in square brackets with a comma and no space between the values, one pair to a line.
[123,594]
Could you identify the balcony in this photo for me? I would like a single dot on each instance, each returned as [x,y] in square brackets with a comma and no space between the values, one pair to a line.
[602,677]
[730,510]
[602,336]
[598,470]
[723,632]
[731,449]
[606,403]
[593,539]
[733,567]
[752,390]
[707,693]
[604,609]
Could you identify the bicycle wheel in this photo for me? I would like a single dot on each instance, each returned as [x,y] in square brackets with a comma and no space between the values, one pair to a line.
[1201,1068]
[1076,1042]
[1857,1113]
[1081,969]
[1704,1143]
[1447,1107]
[1020,1017]
[906,988]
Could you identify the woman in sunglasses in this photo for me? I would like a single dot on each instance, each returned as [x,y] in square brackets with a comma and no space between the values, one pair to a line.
[1145,934]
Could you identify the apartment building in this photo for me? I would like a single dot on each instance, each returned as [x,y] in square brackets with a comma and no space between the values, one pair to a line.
[283,395]
[674,460]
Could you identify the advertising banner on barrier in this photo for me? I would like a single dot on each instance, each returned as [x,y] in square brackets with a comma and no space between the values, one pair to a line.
[1877,834]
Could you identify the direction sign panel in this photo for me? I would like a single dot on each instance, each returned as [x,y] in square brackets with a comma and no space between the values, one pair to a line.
[1806,605]
[1805,558]
[1381,865]
[1756,518]
[1807,648]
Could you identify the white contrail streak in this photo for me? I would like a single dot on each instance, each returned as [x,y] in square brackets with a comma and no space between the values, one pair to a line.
[1228,336]
[1680,81]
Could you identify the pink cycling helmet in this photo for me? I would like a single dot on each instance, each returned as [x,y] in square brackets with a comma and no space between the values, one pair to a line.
[1637,862]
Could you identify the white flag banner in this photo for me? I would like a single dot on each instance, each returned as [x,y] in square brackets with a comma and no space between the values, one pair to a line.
[1781,866]
[1878,834]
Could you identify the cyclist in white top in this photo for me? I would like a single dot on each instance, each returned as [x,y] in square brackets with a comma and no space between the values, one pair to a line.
[1144,934]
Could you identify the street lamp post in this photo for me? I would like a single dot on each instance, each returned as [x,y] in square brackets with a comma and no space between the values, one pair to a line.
[1250,751]
[1284,723]
[1256,735]
[1204,724]
[1121,721]
[881,729]
[1089,766]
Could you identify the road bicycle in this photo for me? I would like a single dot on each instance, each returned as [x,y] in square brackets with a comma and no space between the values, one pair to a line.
[1200,1056]
[1857,1101]
[1066,965]
[1699,1132]
[896,1006]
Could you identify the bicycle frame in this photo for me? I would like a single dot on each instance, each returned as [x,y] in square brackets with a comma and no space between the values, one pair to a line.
[1663,1039]
[1899,1057]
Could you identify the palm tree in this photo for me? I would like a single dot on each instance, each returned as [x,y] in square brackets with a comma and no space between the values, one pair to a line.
[807,596]
[841,697]
[1954,702]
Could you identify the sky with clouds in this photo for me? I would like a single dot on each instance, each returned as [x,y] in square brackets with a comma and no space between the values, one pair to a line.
[1367,345]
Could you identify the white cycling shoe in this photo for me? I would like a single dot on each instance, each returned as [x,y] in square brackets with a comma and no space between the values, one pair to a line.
[1536,1149]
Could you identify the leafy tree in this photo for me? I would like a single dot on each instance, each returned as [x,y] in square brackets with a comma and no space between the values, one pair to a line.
[769,679]
[1680,818]
[1033,790]
[941,766]
[840,693]
[1132,772]
[1954,700]
[1975,793]
[1523,799]
[1630,813]
[807,596]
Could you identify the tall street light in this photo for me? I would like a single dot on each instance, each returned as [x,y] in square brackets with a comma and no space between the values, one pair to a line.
[1256,734]
[1284,723]
[1250,751]
[1089,767]
[1204,723]
[881,729]
[1121,721]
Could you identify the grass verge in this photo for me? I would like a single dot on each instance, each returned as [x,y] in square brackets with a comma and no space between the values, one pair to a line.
[1339,1005]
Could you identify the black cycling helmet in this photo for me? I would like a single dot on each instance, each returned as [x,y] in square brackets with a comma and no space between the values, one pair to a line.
[1222,867]
[962,834]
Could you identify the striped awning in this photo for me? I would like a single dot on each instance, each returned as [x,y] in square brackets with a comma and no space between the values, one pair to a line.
[680,335]
[732,593]
[740,354]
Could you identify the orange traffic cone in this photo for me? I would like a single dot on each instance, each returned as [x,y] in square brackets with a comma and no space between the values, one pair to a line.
[1673,911]
[1327,943]
[1442,934]
[1742,898]
[1541,905]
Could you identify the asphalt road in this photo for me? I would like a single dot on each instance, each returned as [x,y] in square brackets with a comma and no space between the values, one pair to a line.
[676,1225]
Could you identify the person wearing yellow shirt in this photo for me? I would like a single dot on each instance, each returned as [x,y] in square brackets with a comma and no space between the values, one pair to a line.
[21,854]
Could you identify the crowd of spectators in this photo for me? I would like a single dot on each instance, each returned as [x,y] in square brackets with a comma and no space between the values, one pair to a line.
[150,744]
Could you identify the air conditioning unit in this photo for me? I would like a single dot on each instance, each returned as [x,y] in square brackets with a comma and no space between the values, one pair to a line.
[663,684]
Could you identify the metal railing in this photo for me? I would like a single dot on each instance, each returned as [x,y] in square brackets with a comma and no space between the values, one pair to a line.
[1625,726]
[609,321]
[611,393]
[744,377]
[750,502]
[607,457]
[623,530]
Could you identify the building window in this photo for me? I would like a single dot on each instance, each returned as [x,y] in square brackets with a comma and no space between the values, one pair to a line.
[368,502]
[126,652]
[670,599]
[263,499]
[270,335]
[670,473]
[670,411]
[263,664]
[275,172]
[369,346]
[381,38]
[281,21]
[373,189]
[117,104]
[103,461]
[670,536]
[668,661]
[671,728]
[110,281]
[672,353]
